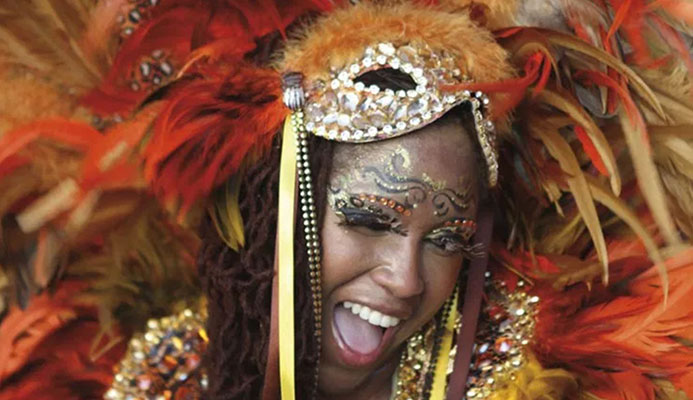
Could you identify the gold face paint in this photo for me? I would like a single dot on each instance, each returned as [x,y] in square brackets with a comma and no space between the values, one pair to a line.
[374,212]
[394,178]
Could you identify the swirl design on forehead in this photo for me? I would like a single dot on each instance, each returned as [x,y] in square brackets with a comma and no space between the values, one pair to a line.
[391,179]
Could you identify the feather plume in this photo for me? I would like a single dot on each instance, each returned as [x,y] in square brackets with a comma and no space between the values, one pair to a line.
[190,31]
[86,216]
[577,184]
[45,35]
[673,156]
[49,345]
[226,214]
[23,331]
[209,128]
[622,338]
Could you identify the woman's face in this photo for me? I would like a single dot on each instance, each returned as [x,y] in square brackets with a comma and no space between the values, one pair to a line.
[393,243]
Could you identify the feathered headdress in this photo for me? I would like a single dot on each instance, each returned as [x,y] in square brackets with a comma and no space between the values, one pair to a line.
[137,117]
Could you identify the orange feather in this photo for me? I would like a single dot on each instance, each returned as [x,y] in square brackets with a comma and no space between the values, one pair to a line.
[209,128]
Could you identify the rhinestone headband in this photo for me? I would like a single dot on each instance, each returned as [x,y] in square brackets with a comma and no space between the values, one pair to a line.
[343,109]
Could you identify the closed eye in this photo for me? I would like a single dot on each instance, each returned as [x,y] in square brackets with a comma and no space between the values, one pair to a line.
[448,243]
[369,220]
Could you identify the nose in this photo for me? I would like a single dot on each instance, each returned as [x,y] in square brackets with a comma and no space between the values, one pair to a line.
[400,272]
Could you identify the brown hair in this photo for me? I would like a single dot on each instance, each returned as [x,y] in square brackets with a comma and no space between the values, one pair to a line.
[239,285]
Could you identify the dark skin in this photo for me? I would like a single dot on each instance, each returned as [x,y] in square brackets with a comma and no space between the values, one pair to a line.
[394,254]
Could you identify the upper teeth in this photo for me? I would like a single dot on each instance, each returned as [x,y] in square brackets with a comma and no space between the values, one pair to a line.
[373,317]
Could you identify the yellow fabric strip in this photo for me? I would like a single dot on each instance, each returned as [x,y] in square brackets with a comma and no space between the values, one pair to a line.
[285,257]
[441,371]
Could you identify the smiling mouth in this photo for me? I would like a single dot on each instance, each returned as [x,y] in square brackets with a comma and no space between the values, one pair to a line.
[362,333]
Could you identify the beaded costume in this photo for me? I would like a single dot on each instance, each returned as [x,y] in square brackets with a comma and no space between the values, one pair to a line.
[124,124]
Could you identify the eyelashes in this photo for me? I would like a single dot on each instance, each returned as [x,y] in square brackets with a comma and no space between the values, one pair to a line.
[453,243]
[374,220]
[446,241]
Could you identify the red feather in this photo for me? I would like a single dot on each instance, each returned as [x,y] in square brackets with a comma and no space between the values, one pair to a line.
[185,29]
[510,92]
[618,338]
[49,345]
[74,134]
[209,128]
[590,150]
[631,109]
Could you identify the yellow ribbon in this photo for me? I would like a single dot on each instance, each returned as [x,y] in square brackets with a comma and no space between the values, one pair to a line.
[441,370]
[285,257]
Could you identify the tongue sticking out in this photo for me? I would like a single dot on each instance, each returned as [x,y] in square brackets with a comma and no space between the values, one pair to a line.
[358,334]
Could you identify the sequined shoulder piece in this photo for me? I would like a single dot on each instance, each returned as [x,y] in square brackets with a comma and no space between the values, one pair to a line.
[501,349]
[503,337]
[164,362]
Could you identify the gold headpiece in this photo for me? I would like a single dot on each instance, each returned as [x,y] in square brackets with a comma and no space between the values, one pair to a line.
[344,109]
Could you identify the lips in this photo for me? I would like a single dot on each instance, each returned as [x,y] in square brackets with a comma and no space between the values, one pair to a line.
[361,333]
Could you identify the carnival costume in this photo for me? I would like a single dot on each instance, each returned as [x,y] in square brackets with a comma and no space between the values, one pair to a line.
[123,124]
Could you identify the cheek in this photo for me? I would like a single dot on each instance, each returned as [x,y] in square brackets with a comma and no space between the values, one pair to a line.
[440,275]
[345,255]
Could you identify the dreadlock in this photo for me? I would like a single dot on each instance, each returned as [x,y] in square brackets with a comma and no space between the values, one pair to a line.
[239,285]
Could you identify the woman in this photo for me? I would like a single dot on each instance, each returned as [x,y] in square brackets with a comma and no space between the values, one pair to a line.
[388,164]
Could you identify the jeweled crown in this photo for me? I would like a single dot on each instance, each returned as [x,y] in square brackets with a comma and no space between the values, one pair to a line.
[344,109]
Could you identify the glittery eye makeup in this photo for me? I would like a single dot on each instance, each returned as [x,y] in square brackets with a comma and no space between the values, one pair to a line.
[375,213]
[454,237]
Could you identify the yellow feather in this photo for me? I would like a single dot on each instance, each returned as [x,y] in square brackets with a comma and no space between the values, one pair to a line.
[533,382]
[672,85]
[226,214]
[577,112]
[648,179]
[678,151]
[558,233]
[674,159]
[623,211]
[573,43]
[667,391]
[562,152]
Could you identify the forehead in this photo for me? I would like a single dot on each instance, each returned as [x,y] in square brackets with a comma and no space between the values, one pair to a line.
[442,152]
